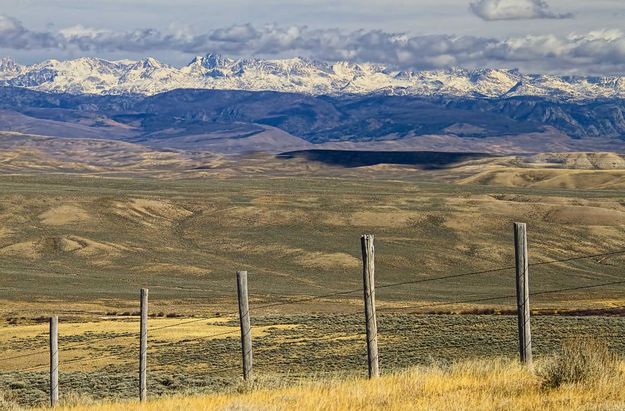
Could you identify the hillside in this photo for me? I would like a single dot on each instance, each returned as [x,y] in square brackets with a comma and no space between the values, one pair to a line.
[234,121]
[208,216]
[549,170]
[26,153]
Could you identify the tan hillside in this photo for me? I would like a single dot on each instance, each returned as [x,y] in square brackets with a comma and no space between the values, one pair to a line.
[548,178]
[595,161]
[547,170]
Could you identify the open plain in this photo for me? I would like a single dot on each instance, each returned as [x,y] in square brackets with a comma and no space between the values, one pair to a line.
[81,243]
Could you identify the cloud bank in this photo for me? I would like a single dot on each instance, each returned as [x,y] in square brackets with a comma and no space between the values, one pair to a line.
[490,10]
[14,35]
[597,52]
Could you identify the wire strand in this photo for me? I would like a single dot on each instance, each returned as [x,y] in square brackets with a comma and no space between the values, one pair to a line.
[383,286]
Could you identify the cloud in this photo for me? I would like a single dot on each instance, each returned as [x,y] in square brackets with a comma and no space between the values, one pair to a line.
[14,35]
[597,52]
[236,33]
[514,10]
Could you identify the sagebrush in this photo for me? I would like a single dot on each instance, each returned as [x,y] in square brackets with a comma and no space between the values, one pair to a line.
[581,360]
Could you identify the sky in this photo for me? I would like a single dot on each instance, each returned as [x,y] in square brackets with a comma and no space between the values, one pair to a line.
[585,37]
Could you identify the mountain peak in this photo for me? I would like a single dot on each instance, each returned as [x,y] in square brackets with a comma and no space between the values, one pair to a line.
[8,68]
[211,61]
[7,62]
[197,60]
[151,62]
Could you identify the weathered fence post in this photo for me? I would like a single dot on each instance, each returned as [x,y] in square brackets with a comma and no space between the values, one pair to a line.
[246,331]
[522,292]
[143,346]
[368,271]
[54,360]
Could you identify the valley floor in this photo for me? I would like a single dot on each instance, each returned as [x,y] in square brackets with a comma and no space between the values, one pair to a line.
[476,385]
[81,244]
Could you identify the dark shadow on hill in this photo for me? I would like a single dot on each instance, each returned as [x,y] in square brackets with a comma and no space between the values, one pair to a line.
[356,158]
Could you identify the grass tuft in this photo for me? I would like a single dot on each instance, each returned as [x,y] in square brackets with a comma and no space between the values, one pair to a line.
[7,403]
[74,399]
[581,360]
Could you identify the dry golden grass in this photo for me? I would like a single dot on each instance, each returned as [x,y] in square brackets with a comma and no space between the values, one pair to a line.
[107,333]
[474,385]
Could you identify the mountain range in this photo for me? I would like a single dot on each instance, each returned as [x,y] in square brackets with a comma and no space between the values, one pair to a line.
[296,75]
[231,106]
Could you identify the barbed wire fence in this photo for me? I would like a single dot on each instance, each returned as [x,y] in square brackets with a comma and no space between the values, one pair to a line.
[524,341]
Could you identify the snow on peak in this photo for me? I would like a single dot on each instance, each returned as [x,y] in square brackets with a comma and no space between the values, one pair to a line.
[211,61]
[89,75]
[7,64]
[9,69]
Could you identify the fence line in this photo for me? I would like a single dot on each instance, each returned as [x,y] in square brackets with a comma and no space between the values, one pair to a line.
[502,297]
[347,292]
[522,296]
[69,345]
[383,286]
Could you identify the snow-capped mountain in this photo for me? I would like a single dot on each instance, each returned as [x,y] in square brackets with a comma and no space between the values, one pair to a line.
[297,75]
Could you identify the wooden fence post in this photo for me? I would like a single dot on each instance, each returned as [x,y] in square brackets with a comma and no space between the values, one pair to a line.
[522,292]
[143,346]
[54,360]
[368,271]
[246,331]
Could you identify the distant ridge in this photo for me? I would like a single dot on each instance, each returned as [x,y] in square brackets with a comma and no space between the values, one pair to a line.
[242,121]
[296,75]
